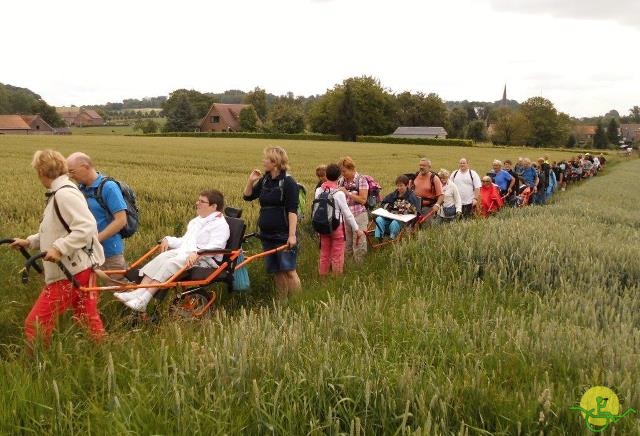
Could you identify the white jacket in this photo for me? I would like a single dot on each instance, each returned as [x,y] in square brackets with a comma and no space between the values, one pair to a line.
[342,209]
[84,232]
[208,233]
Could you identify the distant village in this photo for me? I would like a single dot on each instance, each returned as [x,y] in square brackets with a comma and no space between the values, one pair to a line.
[36,125]
[226,117]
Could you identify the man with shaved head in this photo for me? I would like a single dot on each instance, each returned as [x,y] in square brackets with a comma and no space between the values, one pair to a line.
[109,209]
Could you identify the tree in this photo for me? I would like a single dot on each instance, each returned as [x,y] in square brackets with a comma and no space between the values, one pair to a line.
[543,119]
[200,103]
[572,141]
[373,108]
[48,113]
[476,131]
[248,119]
[181,117]
[600,137]
[612,114]
[346,125]
[286,116]
[408,109]
[258,99]
[434,112]
[146,126]
[613,135]
[635,114]
[511,127]
[471,112]
[458,119]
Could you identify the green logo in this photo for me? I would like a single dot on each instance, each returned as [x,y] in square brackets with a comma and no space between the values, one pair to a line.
[600,407]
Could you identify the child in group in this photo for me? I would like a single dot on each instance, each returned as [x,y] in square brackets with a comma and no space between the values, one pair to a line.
[332,245]
[321,174]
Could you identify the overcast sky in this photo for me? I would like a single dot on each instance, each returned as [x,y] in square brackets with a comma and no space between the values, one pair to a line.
[581,54]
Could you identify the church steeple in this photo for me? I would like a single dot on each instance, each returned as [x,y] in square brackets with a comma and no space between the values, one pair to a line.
[504,95]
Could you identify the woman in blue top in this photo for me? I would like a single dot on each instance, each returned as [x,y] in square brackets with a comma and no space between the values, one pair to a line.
[277,193]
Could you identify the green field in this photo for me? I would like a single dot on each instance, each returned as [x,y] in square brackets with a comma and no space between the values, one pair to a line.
[482,327]
[110,130]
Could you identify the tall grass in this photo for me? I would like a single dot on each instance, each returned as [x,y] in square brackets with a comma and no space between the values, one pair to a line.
[480,327]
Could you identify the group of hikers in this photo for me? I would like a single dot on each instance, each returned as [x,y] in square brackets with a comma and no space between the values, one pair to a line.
[84,223]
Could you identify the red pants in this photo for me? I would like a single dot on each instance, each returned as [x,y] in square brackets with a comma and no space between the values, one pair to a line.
[332,252]
[55,298]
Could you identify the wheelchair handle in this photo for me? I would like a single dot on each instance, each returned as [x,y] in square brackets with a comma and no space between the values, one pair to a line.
[31,263]
[24,253]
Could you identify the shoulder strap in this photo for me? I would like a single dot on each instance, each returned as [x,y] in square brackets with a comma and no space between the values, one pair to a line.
[471,175]
[454,174]
[99,198]
[57,209]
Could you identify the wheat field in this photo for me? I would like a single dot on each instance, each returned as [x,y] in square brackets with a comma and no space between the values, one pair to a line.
[482,327]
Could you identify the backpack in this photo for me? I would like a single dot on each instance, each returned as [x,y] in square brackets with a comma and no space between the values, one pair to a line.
[302,196]
[455,173]
[129,196]
[323,213]
[374,196]
[432,176]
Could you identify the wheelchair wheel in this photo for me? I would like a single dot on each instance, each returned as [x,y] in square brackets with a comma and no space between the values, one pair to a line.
[192,305]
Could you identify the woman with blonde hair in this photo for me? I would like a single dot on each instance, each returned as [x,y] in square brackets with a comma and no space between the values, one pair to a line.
[277,193]
[452,203]
[68,234]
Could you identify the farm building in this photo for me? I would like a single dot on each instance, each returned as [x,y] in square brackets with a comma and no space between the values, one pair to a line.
[75,116]
[630,132]
[420,132]
[584,134]
[222,118]
[13,124]
[37,125]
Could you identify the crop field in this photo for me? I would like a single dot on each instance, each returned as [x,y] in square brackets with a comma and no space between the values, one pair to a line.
[481,327]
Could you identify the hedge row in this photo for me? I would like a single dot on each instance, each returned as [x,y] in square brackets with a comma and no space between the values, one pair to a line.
[296,136]
[317,137]
[417,141]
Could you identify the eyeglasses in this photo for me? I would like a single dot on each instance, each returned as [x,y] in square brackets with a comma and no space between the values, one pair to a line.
[202,202]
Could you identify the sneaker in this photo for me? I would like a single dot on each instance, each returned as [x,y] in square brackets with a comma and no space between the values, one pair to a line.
[140,304]
[137,304]
[128,296]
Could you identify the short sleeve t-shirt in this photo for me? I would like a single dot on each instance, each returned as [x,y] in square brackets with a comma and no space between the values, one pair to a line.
[112,198]
[356,185]
[529,176]
[466,183]
[278,197]
[502,179]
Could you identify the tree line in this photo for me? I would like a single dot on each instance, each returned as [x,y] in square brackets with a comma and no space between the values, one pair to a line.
[22,101]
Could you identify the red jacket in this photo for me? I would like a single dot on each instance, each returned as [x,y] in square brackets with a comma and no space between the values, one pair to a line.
[490,199]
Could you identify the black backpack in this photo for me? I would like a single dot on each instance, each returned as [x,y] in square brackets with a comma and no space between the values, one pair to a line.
[323,216]
[129,196]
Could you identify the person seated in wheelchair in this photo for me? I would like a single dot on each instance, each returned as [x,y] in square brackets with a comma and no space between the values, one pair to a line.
[207,231]
[523,193]
[402,201]
[490,197]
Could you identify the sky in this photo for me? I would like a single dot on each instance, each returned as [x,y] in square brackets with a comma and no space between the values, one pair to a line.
[580,54]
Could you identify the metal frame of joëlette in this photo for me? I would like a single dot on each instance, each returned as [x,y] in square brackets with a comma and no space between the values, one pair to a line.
[405,231]
[233,255]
